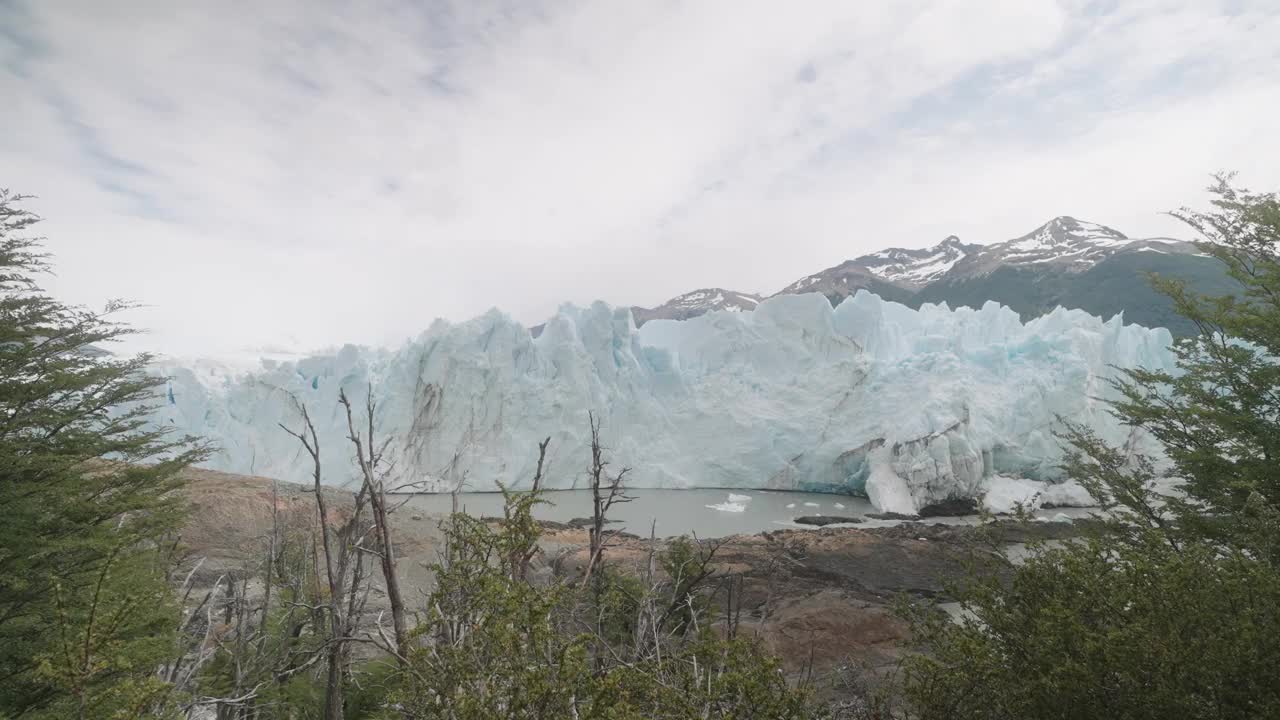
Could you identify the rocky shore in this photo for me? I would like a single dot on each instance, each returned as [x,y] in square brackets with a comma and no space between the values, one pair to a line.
[821,598]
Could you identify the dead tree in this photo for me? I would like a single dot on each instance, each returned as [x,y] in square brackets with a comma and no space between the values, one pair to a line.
[522,556]
[335,575]
[606,491]
[313,619]
[369,455]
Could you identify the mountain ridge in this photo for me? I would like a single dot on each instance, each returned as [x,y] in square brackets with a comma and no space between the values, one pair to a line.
[1065,261]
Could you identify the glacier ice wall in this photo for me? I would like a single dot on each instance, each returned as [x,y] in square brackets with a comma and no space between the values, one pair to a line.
[907,406]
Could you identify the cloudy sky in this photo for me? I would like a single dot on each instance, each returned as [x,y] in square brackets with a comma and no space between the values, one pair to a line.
[304,172]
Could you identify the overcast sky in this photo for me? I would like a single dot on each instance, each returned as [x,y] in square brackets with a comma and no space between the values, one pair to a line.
[305,172]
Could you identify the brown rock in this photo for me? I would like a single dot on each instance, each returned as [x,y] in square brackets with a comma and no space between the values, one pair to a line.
[824,520]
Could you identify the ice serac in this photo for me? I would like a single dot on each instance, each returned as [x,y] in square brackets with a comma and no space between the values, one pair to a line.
[908,407]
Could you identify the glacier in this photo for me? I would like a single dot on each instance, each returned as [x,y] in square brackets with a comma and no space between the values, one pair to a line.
[907,407]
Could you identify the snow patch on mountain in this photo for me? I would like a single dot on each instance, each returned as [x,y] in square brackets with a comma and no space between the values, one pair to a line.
[916,268]
[894,271]
[715,299]
[1068,231]
[1063,242]
[697,302]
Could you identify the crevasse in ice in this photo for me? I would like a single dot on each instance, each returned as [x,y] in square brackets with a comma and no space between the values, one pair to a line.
[909,407]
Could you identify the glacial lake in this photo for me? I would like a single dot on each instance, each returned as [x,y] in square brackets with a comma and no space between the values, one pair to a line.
[706,512]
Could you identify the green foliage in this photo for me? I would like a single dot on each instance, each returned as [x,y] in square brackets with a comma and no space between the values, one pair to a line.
[276,664]
[87,489]
[1100,629]
[491,645]
[495,644]
[707,677]
[106,640]
[616,610]
[1219,418]
[685,563]
[1173,609]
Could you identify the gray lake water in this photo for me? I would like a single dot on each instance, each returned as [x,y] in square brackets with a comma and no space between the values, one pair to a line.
[707,513]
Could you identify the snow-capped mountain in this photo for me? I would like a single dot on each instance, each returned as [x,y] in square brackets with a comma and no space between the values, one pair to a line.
[1076,264]
[893,274]
[916,268]
[1065,261]
[846,279]
[1065,242]
[695,303]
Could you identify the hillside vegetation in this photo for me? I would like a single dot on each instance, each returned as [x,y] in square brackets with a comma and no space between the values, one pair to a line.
[1119,284]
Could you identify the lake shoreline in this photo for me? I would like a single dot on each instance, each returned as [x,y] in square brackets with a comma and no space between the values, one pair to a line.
[822,599]
[708,512]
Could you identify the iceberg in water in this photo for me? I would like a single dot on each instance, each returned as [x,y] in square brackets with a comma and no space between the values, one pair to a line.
[907,407]
[1005,495]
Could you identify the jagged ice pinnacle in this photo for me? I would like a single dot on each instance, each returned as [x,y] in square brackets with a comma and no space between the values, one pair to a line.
[909,407]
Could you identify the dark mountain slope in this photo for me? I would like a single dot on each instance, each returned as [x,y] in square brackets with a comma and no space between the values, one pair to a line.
[1116,284]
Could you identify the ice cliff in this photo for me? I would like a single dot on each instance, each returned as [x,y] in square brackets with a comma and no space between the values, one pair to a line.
[907,406]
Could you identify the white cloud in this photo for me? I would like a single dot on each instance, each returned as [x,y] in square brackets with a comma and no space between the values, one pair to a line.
[318,172]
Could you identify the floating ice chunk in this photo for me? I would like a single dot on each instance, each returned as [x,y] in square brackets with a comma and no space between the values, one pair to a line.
[839,506]
[739,498]
[790,505]
[732,507]
[1006,494]
[812,504]
[1067,494]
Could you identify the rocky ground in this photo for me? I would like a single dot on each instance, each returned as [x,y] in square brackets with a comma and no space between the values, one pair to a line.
[231,518]
[821,599]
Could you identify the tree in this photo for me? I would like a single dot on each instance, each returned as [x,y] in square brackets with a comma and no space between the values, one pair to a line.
[89,491]
[373,486]
[1173,610]
[606,491]
[1218,419]
[343,566]
[283,645]
[260,643]
[496,643]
